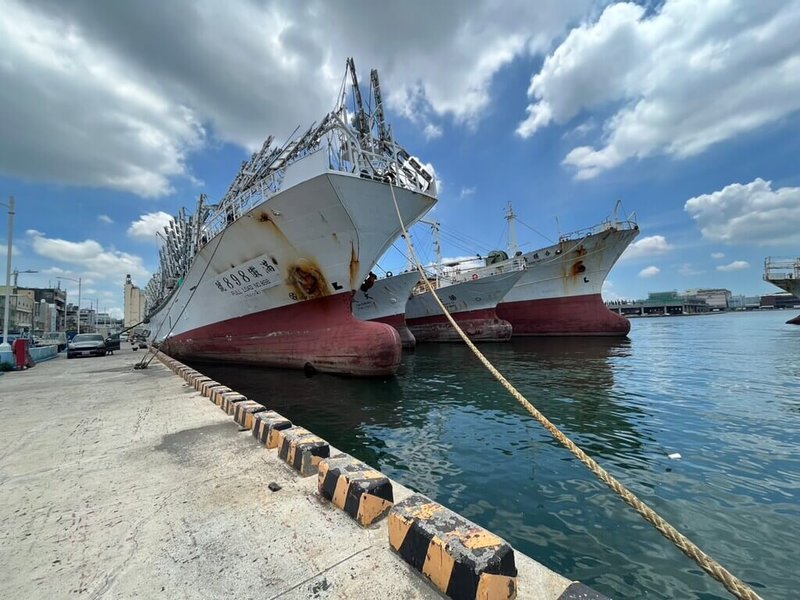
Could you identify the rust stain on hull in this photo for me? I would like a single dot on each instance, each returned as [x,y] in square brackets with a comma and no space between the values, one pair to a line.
[578,268]
[307,280]
[355,266]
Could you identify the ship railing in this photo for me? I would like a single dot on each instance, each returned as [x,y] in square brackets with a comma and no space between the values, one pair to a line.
[779,268]
[616,225]
[458,275]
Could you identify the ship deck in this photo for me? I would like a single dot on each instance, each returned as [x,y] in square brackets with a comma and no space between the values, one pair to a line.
[128,483]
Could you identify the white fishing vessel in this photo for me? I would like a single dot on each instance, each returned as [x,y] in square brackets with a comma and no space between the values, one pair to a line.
[560,290]
[266,276]
[470,302]
[384,300]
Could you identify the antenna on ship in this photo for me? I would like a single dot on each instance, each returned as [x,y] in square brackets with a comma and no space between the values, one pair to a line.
[513,247]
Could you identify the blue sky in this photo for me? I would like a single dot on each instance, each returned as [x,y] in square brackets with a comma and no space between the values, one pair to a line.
[113,115]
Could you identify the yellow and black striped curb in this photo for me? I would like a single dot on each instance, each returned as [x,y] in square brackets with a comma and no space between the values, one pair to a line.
[460,558]
[207,386]
[301,449]
[243,412]
[267,425]
[362,492]
[216,394]
[457,556]
[197,382]
[229,400]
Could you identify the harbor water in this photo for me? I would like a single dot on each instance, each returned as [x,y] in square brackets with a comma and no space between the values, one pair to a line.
[720,390]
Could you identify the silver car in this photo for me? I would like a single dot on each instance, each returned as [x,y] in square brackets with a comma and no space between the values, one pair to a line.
[86,344]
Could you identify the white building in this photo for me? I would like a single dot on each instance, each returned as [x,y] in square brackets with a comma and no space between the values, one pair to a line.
[718,299]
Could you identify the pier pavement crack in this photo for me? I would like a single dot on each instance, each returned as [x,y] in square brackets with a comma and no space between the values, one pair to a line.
[322,572]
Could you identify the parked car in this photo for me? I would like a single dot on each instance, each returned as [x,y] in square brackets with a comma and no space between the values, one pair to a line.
[86,344]
[112,343]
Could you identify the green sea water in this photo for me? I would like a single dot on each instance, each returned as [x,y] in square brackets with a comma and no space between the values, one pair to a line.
[721,390]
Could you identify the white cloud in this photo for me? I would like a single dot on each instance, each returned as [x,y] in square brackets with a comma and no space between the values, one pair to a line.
[654,245]
[432,131]
[609,292]
[650,271]
[687,76]
[717,255]
[148,225]
[105,219]
[467,192]
[124,95]
[748,213]
[93,261]
[106,123]
[737,265]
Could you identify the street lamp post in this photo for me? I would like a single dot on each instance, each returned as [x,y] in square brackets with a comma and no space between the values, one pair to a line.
[5,346]
[79,302]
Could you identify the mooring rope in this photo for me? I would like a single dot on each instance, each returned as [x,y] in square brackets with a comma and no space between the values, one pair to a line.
[732,583]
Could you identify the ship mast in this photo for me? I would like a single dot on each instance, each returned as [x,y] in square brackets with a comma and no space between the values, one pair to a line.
[513,248]
[360,119]
[437,246]
[385,135]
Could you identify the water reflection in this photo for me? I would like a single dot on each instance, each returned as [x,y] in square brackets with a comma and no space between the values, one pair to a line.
[721,390]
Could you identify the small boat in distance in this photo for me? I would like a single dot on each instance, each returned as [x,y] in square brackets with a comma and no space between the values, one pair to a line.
[267,275]
[384,300]
[785,274]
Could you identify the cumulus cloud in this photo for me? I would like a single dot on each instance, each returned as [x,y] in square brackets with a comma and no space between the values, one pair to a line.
[748,213]
[124,95]
[654,245]
[717,255]
[609,291]
[680,79]
[737,265]
[146,227]
[650,271]
[432,131]
[467,192]
[105,219]
[89,258]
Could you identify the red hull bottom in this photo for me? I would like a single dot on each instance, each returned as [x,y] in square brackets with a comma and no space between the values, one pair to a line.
[795,321]
[573,315]
[321,334]
[407,338]
[479,325]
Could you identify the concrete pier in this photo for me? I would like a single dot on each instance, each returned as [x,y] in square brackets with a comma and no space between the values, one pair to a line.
[123,483]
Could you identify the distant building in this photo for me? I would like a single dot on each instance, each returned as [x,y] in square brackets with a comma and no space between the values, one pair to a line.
[20,308]
[134,304]
[717,299]
[784,300]
[661,303]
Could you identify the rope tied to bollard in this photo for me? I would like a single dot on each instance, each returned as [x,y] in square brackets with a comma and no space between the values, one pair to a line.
[732,583]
